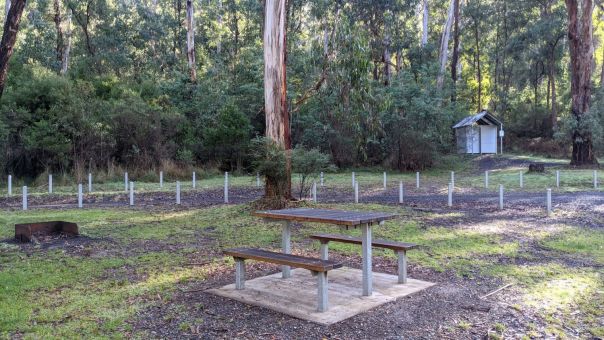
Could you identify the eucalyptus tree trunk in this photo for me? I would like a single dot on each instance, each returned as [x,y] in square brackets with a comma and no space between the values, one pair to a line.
[191,41]
[58,20]
[9,37]
[275,91]
[580,41]
[444,45]
[552,82]
[425,18]
[455,54]
[6,8]
[219,19]
[602,72]
[67,46]
[387,58]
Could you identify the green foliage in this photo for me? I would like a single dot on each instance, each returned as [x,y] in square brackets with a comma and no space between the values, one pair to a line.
[126,98]
[227,138]
[307,165]
[269,160]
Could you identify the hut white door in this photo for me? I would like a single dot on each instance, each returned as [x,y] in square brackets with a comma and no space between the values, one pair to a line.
[488,139]
[474,140]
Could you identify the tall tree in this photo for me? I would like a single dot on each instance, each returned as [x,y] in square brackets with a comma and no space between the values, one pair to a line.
[67,43]
[6,8]
[275,90]
[9,37]
[58,20]
[191,41]
[425,18]
[580,40]
[444,44]
[455,54]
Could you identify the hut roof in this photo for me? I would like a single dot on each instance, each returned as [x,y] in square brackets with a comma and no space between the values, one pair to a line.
[482,118]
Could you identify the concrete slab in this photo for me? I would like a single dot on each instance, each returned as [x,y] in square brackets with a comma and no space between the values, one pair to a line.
[297,295]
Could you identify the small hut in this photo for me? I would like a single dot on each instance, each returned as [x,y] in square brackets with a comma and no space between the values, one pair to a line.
[478,133]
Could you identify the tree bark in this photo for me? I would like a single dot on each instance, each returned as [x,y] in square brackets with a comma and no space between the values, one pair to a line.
[602,72]
[275,90]
[552,86]
[425,18]
[580,40]
[387,58]
[9,37]
[191,41]
[58,22]
[219,19]
[455,55]
[67,50]
[478,70]
[444,45]
[6,8]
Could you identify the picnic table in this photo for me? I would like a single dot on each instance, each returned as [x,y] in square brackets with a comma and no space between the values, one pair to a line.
[363,219]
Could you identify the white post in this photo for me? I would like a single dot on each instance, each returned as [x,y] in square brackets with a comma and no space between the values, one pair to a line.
[10,185]
[314,192]
[194,180]
[161,179]
[24,198]
[549,202]
[400,192]
[177,192]
[356,192]
[385,180]
[89,182]
[353,179]
[486,179]
[226,187]
[125,181]
[257,180]
[50,184]
[286,245]
[595,179]
[453,178]
[322,178]
[450,197]
[500,196]
[80,198]
[521,180]
[131,193]
[367,267]
[417,180]
[557,178]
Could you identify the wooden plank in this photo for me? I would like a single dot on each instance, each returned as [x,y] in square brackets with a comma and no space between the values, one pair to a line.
[355,240]
[339,217]
[296,261]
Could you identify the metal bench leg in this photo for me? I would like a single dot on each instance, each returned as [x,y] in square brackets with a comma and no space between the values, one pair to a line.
[402,266]
[322,288]
[287,247]
[325,251]
[367,274]
[239,273]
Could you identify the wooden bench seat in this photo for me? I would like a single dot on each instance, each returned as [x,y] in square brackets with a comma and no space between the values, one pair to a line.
[318,267]
[400,248]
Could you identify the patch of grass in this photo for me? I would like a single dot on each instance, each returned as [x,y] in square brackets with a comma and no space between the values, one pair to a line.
[578,241]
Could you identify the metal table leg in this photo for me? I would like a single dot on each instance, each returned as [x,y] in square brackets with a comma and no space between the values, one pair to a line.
[287,247]
[367,273]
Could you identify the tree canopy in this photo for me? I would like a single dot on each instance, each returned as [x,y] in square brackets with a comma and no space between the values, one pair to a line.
[97,82]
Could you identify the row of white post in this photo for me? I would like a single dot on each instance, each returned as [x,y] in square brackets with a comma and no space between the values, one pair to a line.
[322,181]
[521,179]
[130,190]
[548,197]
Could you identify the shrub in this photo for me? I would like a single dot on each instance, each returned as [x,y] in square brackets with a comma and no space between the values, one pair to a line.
[307,164]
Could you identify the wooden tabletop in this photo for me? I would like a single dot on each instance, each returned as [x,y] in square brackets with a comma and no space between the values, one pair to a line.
[339,217]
